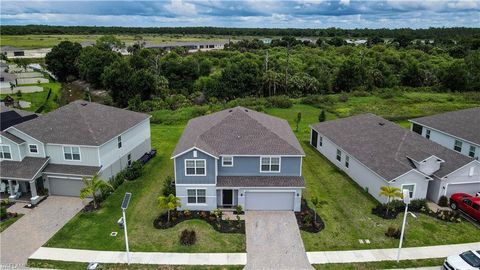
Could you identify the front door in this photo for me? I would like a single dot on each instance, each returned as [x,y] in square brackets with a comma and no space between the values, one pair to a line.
[227,197]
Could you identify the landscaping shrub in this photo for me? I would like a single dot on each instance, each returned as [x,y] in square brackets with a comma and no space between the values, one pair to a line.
[168,186]
[134,171]
[188,238]
[448,215]
[283,102]
[317,100]
[117,180]
[3,212]
[443,201]
[393,232]
[343,97]
[308,220]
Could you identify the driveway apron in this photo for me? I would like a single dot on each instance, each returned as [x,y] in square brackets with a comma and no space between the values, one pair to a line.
[34,229]
[274,241]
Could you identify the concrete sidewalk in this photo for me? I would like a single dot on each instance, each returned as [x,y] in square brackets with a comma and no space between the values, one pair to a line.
[375,255]
[320,257]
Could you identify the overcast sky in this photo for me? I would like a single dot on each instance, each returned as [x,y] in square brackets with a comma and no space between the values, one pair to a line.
[248,13]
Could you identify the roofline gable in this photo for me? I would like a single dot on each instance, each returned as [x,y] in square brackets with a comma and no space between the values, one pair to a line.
[444,132]
[194,148]
[473,161]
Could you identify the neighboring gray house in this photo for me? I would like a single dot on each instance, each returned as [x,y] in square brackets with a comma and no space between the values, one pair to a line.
[375,152]
[81,139]
[457,130]
[238,157]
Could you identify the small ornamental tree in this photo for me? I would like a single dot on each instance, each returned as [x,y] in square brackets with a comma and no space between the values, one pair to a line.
[298,119]
[390,193]
[321,116]
[92,187]
[169,203]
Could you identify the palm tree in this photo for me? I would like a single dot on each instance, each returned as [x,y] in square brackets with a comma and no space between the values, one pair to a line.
[391,193]
[92,186]
[169,203]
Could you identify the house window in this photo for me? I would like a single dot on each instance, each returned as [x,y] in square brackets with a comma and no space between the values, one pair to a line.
[227,161]
[458,146]
[427,134]
[320,141]
[33,148]
[119,141]
[71,153]
[339,155]
[196,196]
[347,161]
[195,167]
[129,159]
[5,152]
[410,188]
[471,152]
[314,138]
[270,164]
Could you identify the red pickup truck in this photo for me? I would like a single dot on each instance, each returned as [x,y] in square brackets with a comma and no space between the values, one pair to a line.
[467,203]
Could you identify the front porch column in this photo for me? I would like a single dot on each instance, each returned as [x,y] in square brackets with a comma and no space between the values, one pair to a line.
[33,189]
[10,190]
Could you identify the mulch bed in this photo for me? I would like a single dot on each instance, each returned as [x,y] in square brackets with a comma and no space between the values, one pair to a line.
[445,215]
[8,216]
[223,226]
[306,219]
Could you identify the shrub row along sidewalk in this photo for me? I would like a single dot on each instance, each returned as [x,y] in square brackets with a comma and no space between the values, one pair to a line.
[319,257]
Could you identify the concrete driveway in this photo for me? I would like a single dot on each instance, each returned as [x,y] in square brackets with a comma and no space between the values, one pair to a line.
[274,242]
[38,225]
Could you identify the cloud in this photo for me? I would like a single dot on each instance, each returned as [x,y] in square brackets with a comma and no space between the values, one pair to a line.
[246,13]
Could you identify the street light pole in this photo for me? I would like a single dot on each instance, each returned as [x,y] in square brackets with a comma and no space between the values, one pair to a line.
[406,200]
[126,201]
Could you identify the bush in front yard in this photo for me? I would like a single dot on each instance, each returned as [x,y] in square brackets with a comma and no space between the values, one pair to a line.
[393,232]
[443,201]
[188,238]
[168,186]
[134,171]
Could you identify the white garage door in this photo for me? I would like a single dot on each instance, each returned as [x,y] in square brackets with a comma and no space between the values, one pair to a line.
[469,188]
[271,201]
[65,186]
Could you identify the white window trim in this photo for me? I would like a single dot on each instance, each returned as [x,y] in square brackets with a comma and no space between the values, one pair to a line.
[414,189]
[79,153]
[9,151]
[36,146]
[194,160]
[279,164]
[473,150]
[196,196]
[336,155]
[347,161]
[455,145]
[223,162]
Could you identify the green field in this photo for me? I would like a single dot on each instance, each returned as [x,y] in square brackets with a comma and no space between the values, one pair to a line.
[38,98]
[48,41]
[346,208]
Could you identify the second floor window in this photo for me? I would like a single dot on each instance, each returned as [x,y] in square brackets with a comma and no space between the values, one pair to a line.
[320,141]
[270,164]
[195,167]
[227,161]
[471,153]
[339,155]
[458,146]
[129,159]
[347,161]
[427,134]
[71,152]
[5,152]
[119,141]
[33,148]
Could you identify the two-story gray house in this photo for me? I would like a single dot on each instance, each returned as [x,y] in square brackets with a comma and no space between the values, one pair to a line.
[457,130]
[56,150]
[375,152]
[238,157]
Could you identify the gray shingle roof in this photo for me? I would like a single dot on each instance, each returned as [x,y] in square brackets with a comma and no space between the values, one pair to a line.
[81,123]
[464,124]
[260,181]
[12,137]
[239,131]
[71,169]
[26,169]
[385,147]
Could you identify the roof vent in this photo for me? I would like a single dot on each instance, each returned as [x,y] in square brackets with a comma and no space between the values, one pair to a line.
[381,124]
[83,104]
[230,110]
[246,110]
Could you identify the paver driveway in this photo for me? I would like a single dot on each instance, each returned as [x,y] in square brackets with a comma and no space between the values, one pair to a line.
[274,242]
[31,231]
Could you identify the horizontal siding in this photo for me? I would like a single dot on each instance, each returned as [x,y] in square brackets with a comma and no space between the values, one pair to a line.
[180,176]
[250,166]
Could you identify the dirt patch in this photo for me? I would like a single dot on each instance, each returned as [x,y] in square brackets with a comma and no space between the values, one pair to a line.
[78,89]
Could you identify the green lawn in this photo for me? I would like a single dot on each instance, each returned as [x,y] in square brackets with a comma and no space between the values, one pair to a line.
[92,230]
[380,265]
[5,224]
[82,266]
[38,98]
[346,207]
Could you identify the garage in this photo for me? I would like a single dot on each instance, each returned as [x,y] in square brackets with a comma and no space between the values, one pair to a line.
[269,201]
[471,188]
[65,186]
